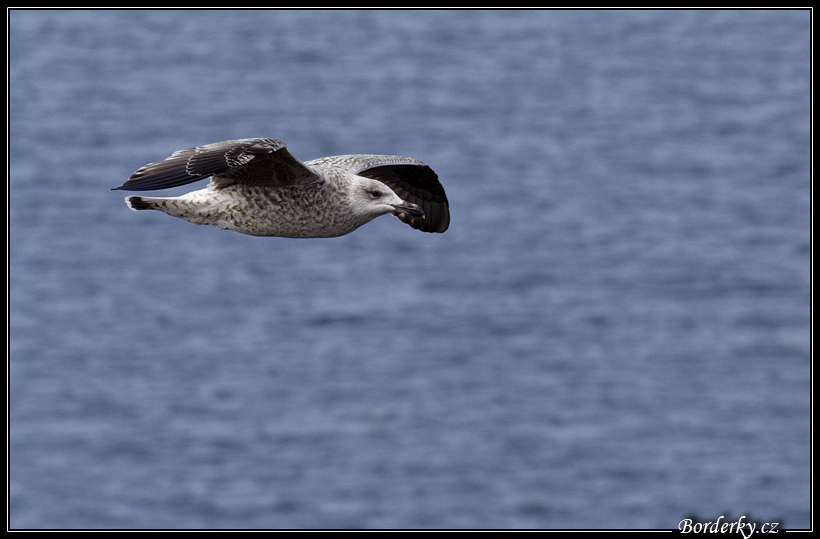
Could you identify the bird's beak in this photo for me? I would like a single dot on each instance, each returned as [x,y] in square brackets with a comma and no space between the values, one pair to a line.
[414,210]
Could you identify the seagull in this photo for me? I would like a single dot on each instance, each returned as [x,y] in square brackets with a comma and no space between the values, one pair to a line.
[259,188]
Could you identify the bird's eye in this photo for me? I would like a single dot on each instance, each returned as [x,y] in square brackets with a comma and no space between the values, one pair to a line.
[375,193]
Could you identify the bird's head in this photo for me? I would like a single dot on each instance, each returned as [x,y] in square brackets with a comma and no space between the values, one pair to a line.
[372,197]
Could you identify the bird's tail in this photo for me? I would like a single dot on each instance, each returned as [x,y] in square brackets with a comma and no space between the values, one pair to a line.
[137,203]
[195,207]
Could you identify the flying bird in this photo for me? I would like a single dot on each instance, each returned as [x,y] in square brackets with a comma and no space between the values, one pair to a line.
[259,188]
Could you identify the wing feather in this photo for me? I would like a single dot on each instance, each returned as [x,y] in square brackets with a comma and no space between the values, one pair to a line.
[259,161]
[414,181]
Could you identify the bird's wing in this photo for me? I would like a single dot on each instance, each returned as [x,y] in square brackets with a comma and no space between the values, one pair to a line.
[257,161]
[412,180]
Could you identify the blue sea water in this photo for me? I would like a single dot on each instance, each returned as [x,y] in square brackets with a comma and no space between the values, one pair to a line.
[613,333]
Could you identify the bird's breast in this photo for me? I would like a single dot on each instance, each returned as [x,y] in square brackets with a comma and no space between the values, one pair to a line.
[288,211]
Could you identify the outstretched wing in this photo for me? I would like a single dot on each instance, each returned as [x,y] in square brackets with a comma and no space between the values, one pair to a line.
[413,180]
[258,161]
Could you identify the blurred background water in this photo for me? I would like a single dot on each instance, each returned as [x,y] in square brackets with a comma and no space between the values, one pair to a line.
[614,332]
